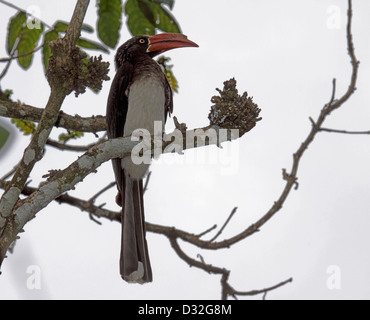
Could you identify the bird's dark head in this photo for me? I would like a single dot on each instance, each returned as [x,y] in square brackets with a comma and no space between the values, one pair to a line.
[139,46]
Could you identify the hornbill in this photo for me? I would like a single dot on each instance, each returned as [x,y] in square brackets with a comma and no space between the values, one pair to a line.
[139,96]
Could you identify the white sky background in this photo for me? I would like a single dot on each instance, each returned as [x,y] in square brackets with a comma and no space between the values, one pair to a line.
[285,55]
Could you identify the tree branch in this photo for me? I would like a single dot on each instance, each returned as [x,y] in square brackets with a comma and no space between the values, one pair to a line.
[226,289]
[21,111]
[61,181]
[232,292]
[66,147]
[345,131]
[13,57]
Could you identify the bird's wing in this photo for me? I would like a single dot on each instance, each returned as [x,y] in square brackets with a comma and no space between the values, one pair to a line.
[117,107]
[118,102]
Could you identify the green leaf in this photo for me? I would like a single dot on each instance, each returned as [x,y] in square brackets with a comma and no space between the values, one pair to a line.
[62,26]
[15,27]
[109,21]
[167,69]
[137,22]
[27,44]
[64,137]
[88,44]
[27,127]
[87,28]
[4,135]
[145,16]
[169,3]
[46,51]
[6,94]
[167,21]
[171,80]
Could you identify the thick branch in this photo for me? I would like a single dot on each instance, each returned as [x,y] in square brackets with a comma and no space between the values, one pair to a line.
[64,180]
[74,123]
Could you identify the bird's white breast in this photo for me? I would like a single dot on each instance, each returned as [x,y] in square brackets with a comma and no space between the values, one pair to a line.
[146,101]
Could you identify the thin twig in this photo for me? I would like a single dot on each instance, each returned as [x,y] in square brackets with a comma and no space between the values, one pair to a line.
[147,181]
[75,148]
[224,225]
[9,174]
[227,290]
[13,57]
[345,131]
[12,53]
[206,231]
[333,92]
[95,196]
[261,291]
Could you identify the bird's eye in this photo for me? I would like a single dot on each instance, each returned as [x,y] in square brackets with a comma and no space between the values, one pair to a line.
[142,41]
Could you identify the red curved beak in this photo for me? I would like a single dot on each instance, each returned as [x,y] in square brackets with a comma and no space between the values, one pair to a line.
[166,41]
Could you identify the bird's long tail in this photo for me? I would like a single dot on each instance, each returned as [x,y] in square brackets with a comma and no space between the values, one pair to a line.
[134,262]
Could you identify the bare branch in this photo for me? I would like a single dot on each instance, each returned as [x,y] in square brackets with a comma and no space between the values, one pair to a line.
[74,123]
[13,57]
[225,224]
[345,131]
[12,54]
[147,181]
[67,147]
[206,231]
[233,292]
[95,196]
[226,289]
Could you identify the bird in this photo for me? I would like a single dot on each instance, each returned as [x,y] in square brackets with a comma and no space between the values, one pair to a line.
[139,95]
